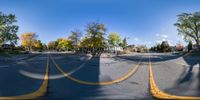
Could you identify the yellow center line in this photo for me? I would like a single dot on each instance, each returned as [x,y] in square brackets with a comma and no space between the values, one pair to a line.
[38,93]
[159,94]
[124,77]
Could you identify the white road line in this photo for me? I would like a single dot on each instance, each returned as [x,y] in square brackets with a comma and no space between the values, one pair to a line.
[78,68]
[56,76]
[39,75]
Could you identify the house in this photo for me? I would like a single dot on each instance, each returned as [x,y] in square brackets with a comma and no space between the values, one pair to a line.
[115,49]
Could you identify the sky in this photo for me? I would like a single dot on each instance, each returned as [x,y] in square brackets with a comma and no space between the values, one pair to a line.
[140,21]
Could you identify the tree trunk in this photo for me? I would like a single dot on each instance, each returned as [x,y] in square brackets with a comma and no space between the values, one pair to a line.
[198,44]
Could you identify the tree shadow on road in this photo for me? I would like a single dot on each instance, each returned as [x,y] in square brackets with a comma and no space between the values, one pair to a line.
[191,62]
[68,89]
[188,77]
[89,73]
[156,57]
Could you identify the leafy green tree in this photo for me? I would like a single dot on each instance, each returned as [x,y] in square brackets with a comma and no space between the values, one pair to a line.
[44,46]
[95,29]
[52,45]
[87,42]
[114,39]
[124,43]
[75,38]
[58,48]
[28,40]
[188,25]
[37,45]
[95,34]
[165,46]
[64,45]
[153,48]
[158,47]
[8,29]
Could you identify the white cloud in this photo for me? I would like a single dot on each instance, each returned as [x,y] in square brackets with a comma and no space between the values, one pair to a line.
[136,39]
[164,36]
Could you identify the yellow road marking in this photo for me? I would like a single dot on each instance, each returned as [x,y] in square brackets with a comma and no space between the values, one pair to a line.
[124,77]
[40,92]
[159,94]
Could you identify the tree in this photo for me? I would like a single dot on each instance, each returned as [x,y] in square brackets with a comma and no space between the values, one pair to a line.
[28,40]
[52,45]
[37,45]
[64,45]
[95,32]
[153,48]
[190,45]
[158,47]
[95,29]
[124,43]
[165,47]
[44,46]
[75,38]
[8,29]
[188,25]
[114,39]
[86,42]
[57,42]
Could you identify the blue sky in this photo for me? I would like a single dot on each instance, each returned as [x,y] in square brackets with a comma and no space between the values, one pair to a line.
[142,21]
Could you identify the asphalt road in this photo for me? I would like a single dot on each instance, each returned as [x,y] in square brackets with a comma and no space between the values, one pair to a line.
[16,75]
[84,77]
